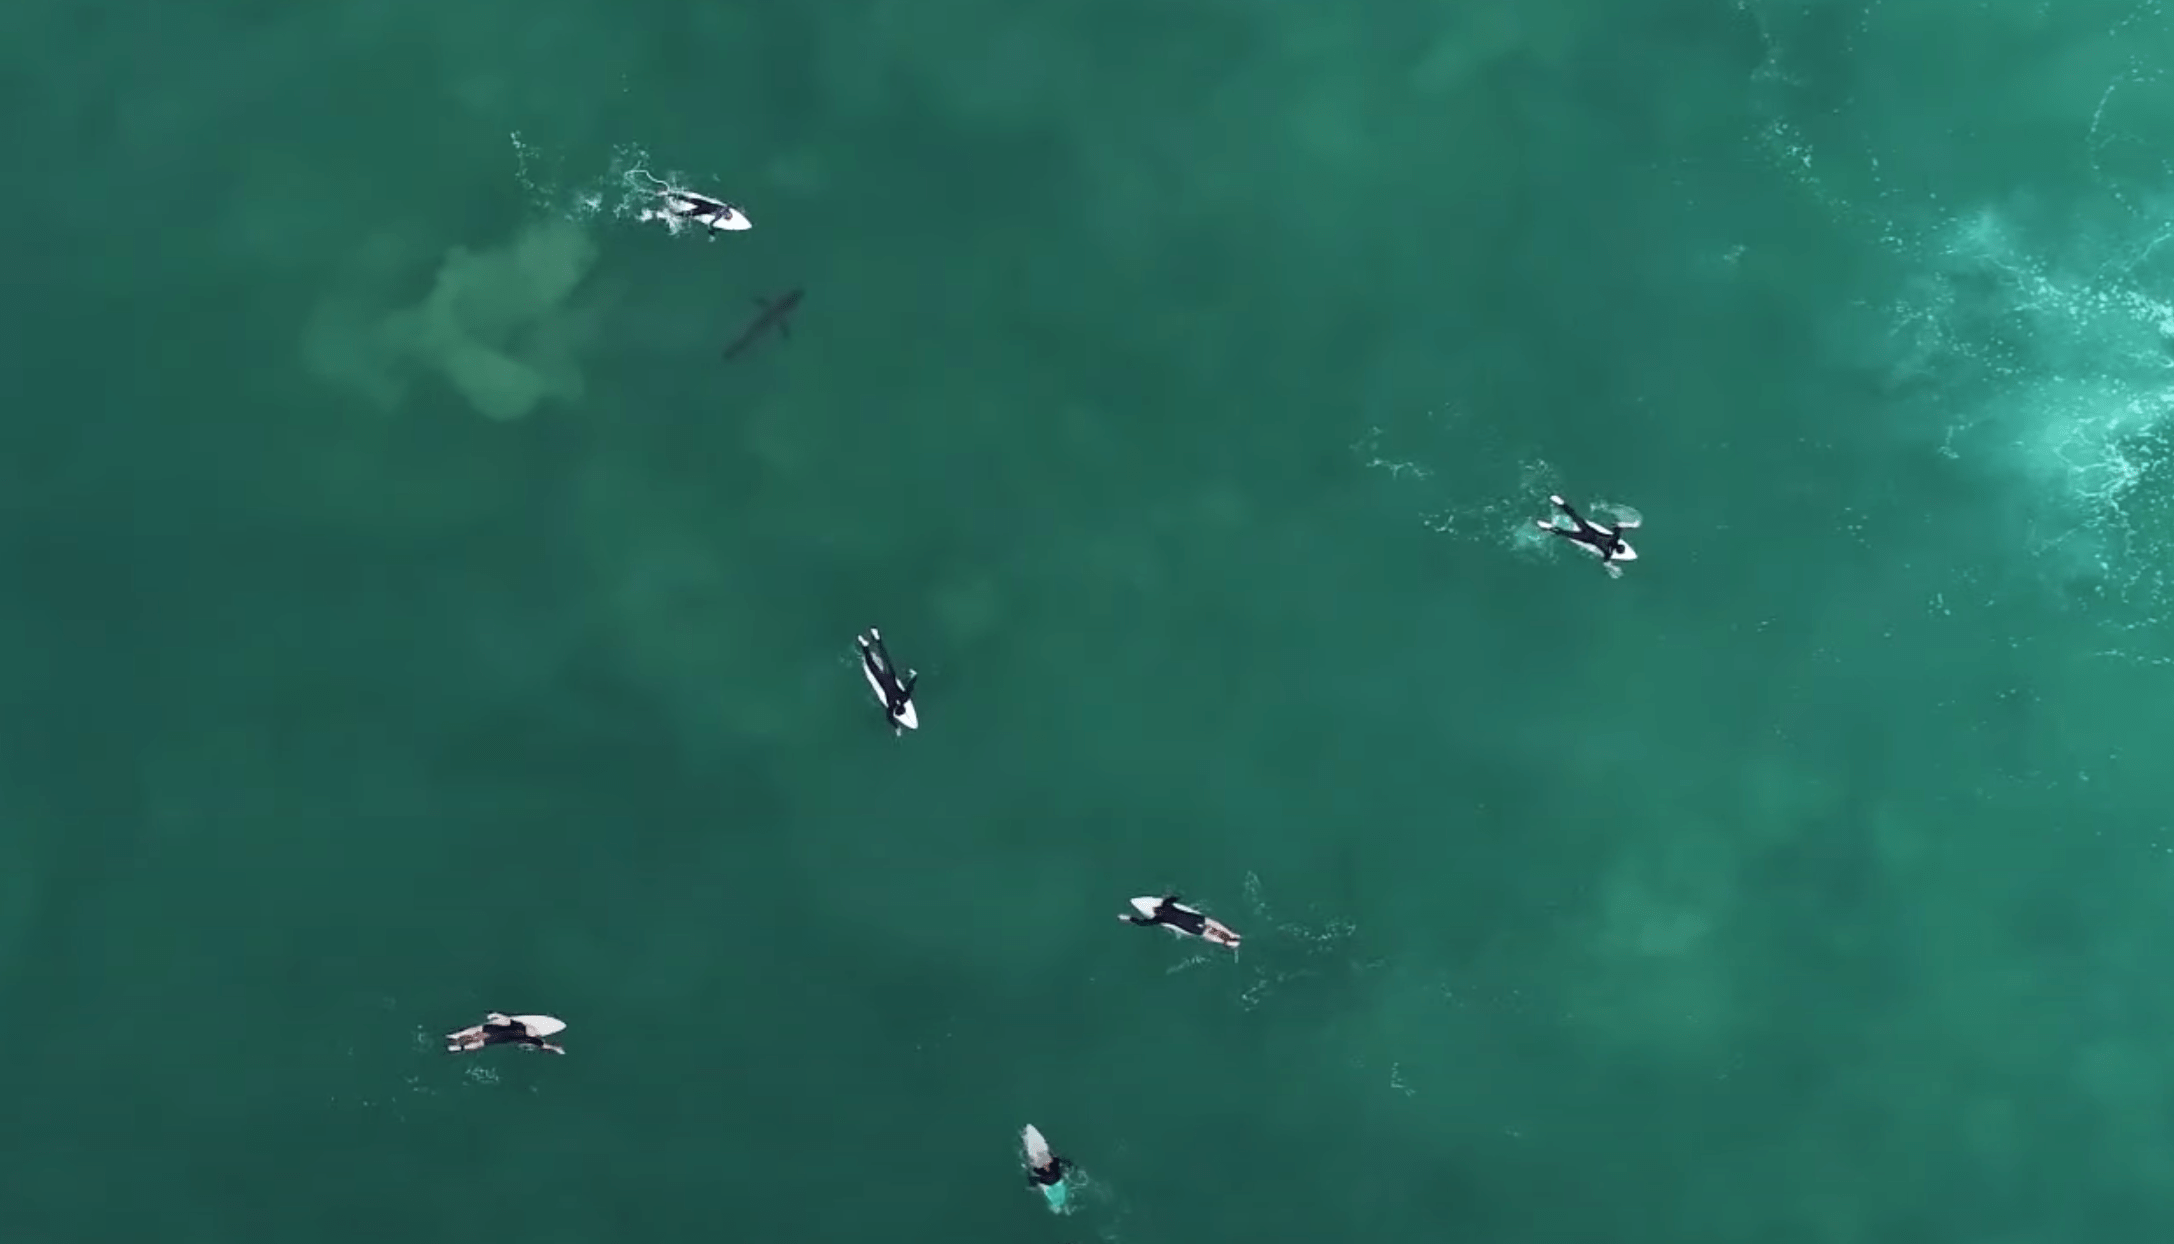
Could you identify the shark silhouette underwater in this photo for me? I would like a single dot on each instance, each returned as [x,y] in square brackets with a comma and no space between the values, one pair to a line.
[775,314]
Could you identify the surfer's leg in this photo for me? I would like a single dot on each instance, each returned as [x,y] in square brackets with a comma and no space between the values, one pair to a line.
[1569,512]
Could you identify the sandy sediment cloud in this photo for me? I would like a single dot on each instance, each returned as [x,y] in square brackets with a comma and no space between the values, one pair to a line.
[498,325]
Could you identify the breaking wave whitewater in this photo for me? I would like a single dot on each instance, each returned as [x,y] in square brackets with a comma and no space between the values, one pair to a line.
[2034,320]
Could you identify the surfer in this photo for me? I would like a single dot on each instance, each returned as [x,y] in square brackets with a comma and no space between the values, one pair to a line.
[687,207]
[775,313]
[1607,543]
[1170,912]
[496,1029]
[895,696]
[1046,1170]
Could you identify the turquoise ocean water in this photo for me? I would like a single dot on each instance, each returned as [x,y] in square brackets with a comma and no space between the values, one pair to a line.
[408,614]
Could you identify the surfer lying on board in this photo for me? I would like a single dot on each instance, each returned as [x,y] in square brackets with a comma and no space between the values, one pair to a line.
[1170,912]
[496,1029]
[1045,1169]
[686,207]
[895,696]
[1607,543]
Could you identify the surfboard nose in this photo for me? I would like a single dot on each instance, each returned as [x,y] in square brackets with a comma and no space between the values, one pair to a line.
[1030,1138]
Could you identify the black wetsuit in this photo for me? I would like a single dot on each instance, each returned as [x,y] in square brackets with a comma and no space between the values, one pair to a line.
[896,694]
[699,208]
[705,212]
[1051,1175]
[509,1033]
[1601,540]
[1170,913]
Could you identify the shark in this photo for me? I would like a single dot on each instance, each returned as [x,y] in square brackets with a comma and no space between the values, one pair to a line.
[775,313]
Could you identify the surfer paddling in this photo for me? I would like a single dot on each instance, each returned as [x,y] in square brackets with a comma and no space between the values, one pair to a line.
[496,1029]
[895,696]
[1046,1170]
[775,313]
[1171,913]
[1606,543]
[678,207]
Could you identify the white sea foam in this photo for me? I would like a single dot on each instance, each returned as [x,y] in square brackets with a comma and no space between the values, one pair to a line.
[1485,495]
[625,188]
[1301,950]
[2044,350]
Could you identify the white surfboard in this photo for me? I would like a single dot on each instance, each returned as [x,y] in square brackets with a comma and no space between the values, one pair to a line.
[1624,554]
[1147,906]
[1037,1149]
[541,1025]
[730,220]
